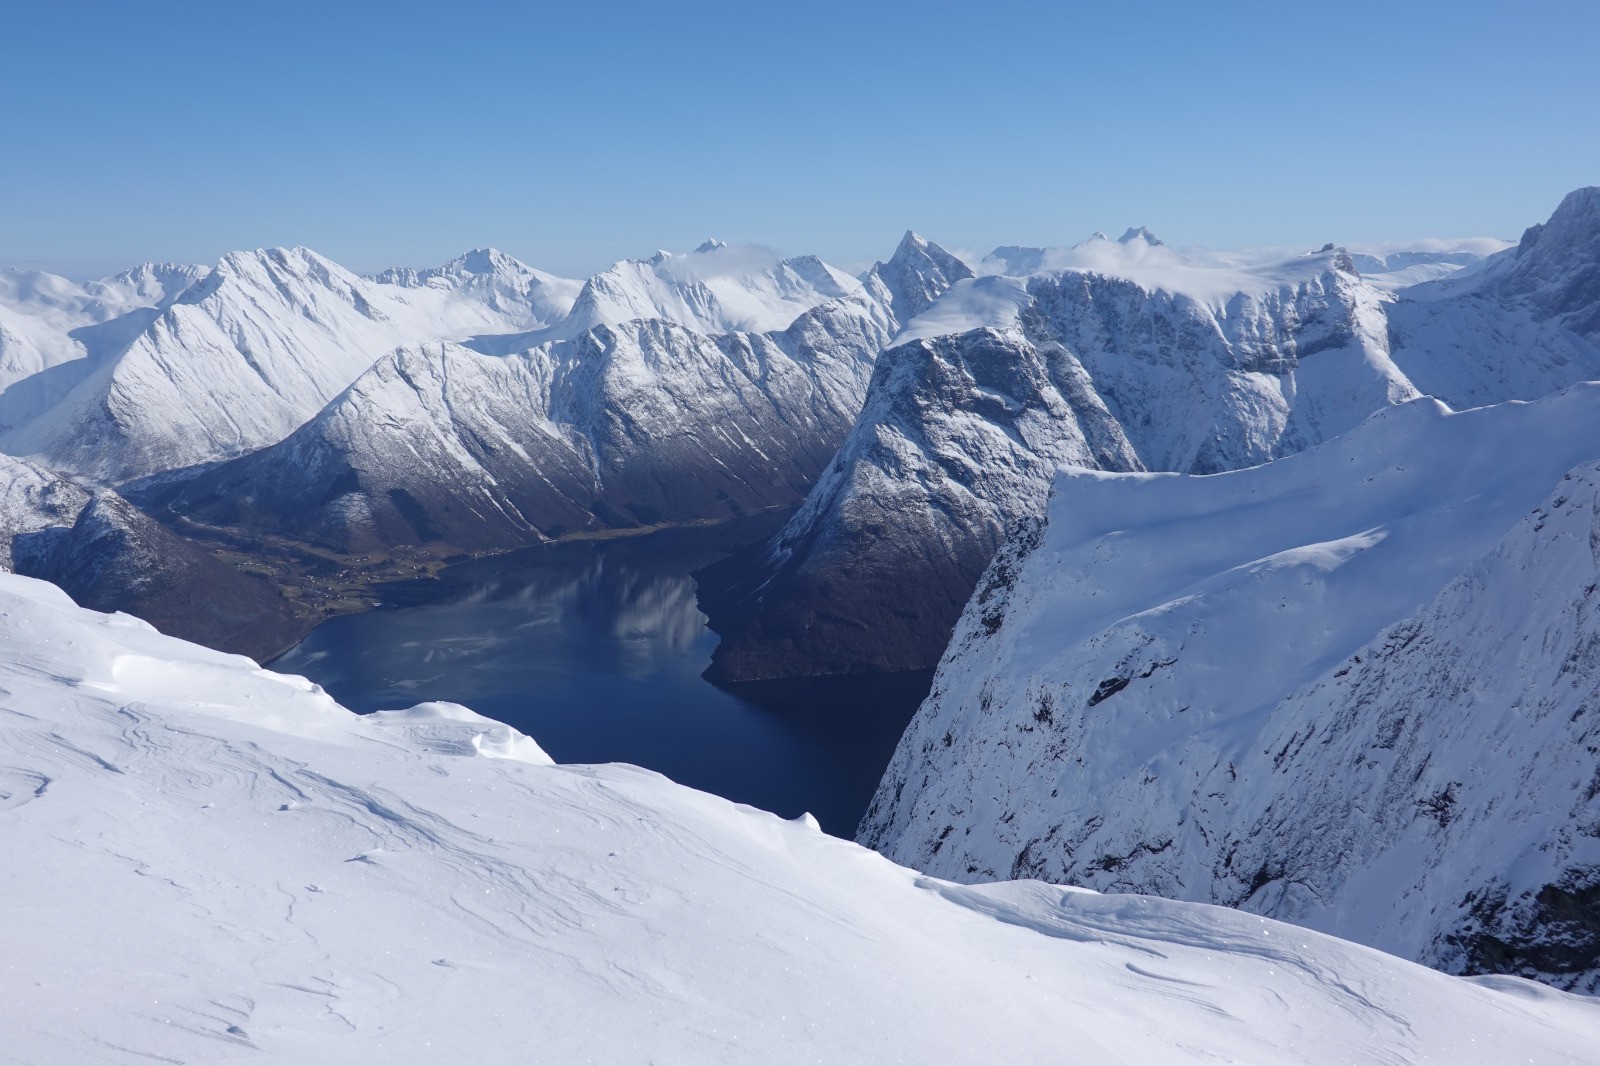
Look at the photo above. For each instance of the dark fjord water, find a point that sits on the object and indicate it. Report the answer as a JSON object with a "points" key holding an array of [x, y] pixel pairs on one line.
{"points": [[595, 649]]}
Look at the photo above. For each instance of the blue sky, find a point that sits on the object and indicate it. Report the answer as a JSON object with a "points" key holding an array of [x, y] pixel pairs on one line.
{"points": [[571, 135]]}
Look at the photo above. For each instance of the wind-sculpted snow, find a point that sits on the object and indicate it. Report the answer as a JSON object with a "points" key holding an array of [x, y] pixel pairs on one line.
{"points": [[961, 433], [636, 424], [1270, 689], [211, 861]]}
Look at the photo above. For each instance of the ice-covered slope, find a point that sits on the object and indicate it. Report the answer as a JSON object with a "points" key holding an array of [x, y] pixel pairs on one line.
{"points": [[640, 423], [249, 353], [1270, 689], [1171, 365], [1525, 323], [213, 862]]}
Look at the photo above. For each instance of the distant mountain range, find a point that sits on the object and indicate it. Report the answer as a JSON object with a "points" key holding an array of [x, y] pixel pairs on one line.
{"points": [[1271, 575]]}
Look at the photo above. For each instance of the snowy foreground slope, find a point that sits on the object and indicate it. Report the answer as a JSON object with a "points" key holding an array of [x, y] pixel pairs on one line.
{"points": [[210, 862], [1355, 688]]}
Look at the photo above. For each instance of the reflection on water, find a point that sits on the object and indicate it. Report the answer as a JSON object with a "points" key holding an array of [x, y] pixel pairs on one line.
{"points": [[595, 650]]}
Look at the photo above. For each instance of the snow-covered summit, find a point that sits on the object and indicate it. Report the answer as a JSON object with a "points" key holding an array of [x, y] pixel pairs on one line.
{"points": [[1140, 234], [526, 297], [717, 288], [1522, 324], [916, 275], [250, 350], [292, 883]]}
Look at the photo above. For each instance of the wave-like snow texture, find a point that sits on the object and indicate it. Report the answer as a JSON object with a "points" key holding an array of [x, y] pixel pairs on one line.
{"points": [[1348, 689], [210, 861]]}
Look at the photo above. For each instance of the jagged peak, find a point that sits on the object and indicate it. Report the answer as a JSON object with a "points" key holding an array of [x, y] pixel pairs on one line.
{"points": [[1139, 233], [710, 244], [910, 243], [486, 261], [296, 259], [1577, 214]]}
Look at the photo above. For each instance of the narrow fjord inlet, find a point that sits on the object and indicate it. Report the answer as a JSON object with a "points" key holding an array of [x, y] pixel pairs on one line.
{"points": [[596, 648]]}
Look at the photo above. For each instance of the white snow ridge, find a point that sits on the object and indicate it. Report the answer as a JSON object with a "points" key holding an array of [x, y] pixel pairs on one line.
{"points": [[210, 862]]}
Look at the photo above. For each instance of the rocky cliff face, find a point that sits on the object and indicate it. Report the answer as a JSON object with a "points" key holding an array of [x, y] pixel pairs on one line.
{"points": [[1348, 689], [962, 432], [1525, 324], [960, 436], [109, 556]]}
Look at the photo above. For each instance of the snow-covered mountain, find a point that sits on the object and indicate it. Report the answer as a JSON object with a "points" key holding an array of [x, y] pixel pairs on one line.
{"points": [[1525, 323], [240, 359], [717, 288], [212, 861], [1202, 361], [1348, 689], [917, 274], [53, 330], [1176, 366], [637, 424], [525, 298], [630, 422]]}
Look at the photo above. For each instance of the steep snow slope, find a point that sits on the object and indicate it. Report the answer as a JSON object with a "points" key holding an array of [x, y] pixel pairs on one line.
{"points": [[52, 330], [217, 862], [634, 424], [1185, 686], [1178, 366], [1524, 324], [240, 359]]}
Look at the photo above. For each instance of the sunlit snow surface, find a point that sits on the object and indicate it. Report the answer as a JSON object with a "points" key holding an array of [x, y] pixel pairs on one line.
{"points": [[210, 862], [1353, 687]]}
